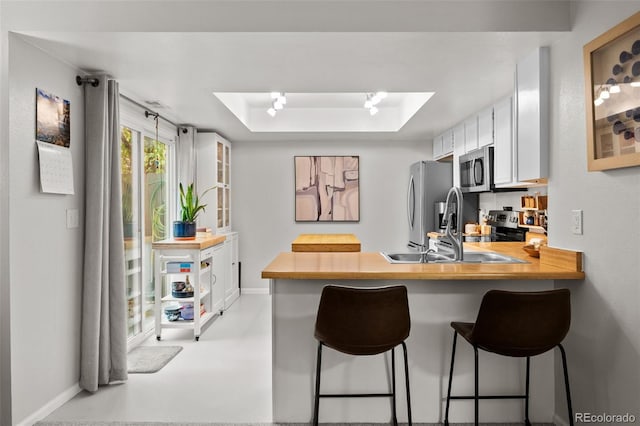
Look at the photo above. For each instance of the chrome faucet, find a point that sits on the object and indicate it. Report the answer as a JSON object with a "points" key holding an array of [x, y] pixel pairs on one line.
{"points": [[455, 240]]}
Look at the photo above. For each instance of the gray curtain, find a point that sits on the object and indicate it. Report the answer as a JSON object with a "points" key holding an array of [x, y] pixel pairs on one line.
{"points": [[186, 154], [103, 352]]}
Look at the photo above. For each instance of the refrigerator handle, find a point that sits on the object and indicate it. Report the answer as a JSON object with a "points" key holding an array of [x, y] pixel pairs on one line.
{"points": [[411, 202]]}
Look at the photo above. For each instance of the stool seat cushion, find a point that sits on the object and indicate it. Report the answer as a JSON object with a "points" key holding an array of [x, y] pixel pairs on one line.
{"points": [[363, 321], [519, 324]]}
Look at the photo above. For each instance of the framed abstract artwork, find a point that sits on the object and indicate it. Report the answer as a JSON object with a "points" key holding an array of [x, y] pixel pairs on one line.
{"points": [[327, 189], [612, 97]]}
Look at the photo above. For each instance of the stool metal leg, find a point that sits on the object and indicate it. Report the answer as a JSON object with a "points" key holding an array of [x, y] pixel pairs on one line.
{"points": [[453, 357], [406, 378], [566, 383], [393, 388], [526, 401], [316, 404], [476, 402]]}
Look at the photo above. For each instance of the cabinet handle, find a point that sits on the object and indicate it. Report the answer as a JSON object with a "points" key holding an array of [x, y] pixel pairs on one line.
{"points": [[215, 278]]}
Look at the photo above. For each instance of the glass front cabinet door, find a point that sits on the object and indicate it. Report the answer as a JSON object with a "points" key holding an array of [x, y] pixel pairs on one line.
{"points": [[213, 157]]}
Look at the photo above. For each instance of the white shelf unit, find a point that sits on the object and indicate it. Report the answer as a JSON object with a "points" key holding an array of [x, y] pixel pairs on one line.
{"points": [[201, 280]]}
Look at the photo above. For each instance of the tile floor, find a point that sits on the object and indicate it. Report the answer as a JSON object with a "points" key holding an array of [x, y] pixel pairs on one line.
{"points": [[223, 378]]}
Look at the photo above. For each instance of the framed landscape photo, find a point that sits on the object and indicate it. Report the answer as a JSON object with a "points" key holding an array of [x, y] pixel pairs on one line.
{"points": [[612, 97], [327, 188], [53, 115]]}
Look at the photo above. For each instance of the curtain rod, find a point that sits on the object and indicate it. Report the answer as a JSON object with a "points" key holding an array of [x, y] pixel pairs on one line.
{"points": [[149, 110]]}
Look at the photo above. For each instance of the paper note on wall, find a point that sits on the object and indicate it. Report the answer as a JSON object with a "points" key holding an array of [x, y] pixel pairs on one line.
{"points": [[56, 169]]}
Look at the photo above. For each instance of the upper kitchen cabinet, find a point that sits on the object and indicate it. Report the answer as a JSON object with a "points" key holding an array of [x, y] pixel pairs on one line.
{"points": [[447, 143], [485, 127], [471, 134], [458, 150], [437, 147], [443, 145], [213, 168], [532, 117], [504, 169]]}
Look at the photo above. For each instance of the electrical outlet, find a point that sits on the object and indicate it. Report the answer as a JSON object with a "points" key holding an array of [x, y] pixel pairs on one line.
{"points": [[576, 222], [73, 218]]}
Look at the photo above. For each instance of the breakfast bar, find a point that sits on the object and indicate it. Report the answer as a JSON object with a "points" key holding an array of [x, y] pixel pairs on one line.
{"points": [[438, 294]]}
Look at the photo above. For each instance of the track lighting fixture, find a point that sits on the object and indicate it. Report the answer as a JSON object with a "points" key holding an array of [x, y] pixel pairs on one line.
{"points": [[278, 101], [373, 99]]}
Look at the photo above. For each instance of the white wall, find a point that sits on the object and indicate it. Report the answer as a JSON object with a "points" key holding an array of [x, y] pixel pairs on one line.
{"points": [[603, 346], [263, 198], [46, 258], [5, 347]]}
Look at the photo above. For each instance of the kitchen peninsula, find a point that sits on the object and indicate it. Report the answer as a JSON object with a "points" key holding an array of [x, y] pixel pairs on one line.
{"points": [[438, 294]]}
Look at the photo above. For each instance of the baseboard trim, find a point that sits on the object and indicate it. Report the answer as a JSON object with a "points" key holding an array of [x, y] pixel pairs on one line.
{"points": [[254, 290], [51, 406], [559, 421]]}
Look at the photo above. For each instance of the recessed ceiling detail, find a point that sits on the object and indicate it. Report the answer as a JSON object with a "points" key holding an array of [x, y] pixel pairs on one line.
{"points": [[323, 112]]}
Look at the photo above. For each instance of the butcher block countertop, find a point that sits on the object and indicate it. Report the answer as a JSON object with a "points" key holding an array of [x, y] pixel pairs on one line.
{"points": [[553, 264], [199, 243], [325, 243]]}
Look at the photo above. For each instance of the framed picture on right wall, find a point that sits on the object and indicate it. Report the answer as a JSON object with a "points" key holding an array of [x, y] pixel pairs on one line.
{"points": [[612, 97]]}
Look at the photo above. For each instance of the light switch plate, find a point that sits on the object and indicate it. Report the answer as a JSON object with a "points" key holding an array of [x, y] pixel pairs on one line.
{"points": [[73, 218], [576, 222]]}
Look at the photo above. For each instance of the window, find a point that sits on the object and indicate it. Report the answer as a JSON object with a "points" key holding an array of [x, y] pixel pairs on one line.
{"points": [[148, 176]]}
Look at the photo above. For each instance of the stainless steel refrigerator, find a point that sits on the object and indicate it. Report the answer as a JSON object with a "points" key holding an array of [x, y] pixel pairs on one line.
{"points": [[429, 182]]}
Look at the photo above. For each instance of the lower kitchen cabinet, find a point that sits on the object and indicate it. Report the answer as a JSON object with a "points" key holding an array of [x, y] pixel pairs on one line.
{"points": [[226, 274], [232, 283], [218, 269]]}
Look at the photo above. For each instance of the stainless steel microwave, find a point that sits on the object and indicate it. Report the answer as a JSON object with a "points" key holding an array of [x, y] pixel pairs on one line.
{"points": [[476, 170]]}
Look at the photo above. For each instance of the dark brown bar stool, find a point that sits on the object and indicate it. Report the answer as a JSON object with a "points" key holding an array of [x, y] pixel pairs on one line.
{"points": [[516, 324], [363, 321]]}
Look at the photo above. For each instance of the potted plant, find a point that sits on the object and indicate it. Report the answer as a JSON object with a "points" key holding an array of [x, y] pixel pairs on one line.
{"points": [[190, 207]]}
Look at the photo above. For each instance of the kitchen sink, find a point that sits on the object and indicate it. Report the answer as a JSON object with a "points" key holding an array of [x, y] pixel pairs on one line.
{"points": [[433, 257], [402, 257], [489, 257]]}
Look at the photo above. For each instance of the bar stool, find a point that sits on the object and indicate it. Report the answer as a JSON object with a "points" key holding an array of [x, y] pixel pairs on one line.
{"points": [[363, 321], [516, 324]]}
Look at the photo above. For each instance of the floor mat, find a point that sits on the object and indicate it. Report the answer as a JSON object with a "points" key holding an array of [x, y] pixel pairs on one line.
{"points": [[149, 359]]}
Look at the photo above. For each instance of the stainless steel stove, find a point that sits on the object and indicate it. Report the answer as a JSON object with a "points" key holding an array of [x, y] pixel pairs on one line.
{"points": [[504, 226]]}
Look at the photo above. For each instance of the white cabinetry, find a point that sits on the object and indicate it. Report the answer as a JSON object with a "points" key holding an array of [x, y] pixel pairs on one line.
{"points": [[485, 127], [443, 145], [235, 265], [226, 273], [458, 150], [447, 143], [232, 283], [471, 134], [532, 112], [218, 277], [437, 147], [504, 170], [213, 168]]}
